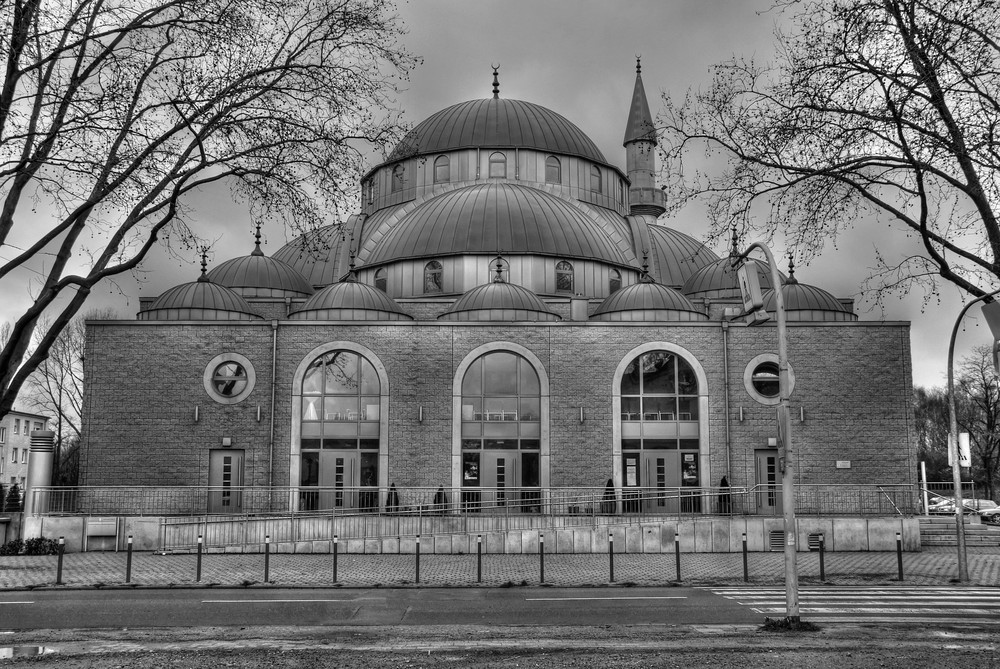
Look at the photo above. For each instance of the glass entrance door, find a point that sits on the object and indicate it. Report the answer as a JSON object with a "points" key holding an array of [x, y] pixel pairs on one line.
{"points": [[340, 480], [768, 480], [225, 480]]}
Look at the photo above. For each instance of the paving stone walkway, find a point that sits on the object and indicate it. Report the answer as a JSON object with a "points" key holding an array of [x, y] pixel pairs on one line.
{"points": [[936, 566]]}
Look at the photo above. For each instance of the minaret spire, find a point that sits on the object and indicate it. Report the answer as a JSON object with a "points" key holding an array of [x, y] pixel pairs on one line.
{"points": [[640, 156]]}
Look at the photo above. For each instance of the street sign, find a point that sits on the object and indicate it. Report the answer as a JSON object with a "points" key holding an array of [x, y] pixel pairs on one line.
{"points": [[991, 311], [753, 300]]}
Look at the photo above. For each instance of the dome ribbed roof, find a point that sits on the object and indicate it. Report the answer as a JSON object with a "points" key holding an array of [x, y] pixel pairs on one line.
{"points": [[719, 280], [676, 256], [496, 216], [199, 300], [321, 255], [256, 275], [647, 302], [496, 123], [808, 303], [350, 301], [499, 301]]}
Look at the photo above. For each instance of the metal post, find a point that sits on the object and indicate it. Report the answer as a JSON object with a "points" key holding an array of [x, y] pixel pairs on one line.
{"points": [[418, 560], [746, 565], [899, 554], [334, 558], [479, 558], [197, 573], [611, 555], [541, 557], [128, 561], [267, 558], [59, 561], [677, 554], [822, 560]]}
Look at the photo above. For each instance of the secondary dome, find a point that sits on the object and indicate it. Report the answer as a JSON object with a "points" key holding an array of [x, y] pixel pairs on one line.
{"points": [[499, 301], [487, 217], [646, 301], [719, 280], [676, 256], [350, 301], [321, 256], [199, 300], [496, 123], [256, 275], [808, 303]]}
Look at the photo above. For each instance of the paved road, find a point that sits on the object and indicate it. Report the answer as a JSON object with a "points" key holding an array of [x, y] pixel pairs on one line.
{"points": [[429, 606], [855, 604]]}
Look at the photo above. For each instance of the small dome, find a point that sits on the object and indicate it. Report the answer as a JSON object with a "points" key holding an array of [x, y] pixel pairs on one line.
{"points": [[499, 301], [496, 123], [647, 302], [321, 255], [719, 280], [487, 217], [676, 256], [350, 301], [256, 275], [808, 303], [199, 300]]}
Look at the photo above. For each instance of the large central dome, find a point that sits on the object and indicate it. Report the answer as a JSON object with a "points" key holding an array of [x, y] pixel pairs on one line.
{"points": [[497, 123]]}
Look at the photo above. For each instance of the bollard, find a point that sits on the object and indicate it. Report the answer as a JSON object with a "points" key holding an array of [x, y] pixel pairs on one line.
{"points": [[334, 558], [677, 554], [541, 557], [197, 573], [59, 561], [128, 561], [746, 566], [611, 555], [267, 558], [418, 560], [479, 558], [822, 558], [899, 554]]}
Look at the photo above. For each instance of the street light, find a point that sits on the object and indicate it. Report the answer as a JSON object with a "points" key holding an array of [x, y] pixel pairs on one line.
{"points": [[753, 306], [990, 311]]}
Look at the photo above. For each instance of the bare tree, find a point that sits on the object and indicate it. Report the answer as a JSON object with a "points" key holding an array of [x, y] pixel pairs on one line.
{"points": [[883, 107], [113, 111], [930, 413], [977, 399]]}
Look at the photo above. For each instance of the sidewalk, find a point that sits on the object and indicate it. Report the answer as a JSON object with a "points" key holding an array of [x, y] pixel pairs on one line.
{"points": [[935, 566]]}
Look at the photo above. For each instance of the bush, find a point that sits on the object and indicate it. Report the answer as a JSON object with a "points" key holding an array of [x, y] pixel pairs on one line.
{"points": [[13, 547], [36, 546]]}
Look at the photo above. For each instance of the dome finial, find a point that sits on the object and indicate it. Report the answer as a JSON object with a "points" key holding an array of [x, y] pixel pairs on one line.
{"points": [[645, 277], [735, 251], [499, 270], [204, 264], [638, 64], [256, 249], [791, 270], [496, 81], [351, 273]]}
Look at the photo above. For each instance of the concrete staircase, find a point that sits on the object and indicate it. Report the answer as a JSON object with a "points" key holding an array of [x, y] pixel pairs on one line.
{"points": [[940, 531]]}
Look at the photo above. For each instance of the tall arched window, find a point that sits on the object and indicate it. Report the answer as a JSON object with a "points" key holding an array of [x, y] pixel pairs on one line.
{"points": [[595, 179], [381, 280], [614, 281], [442, 170], [553, 170], [398, 178], [433, 277], [501, 432], [341, 395], [498, 165], [660, 432], [564, 277]]}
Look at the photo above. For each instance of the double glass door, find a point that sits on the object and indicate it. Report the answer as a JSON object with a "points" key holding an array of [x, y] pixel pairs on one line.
{"points": [[497, 479], [654, 481], [342, 480]]}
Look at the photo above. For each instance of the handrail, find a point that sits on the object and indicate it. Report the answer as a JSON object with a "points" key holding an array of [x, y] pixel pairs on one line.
{"points": [[886, 495]]}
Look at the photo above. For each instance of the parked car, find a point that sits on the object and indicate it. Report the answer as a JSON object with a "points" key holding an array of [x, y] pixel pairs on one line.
{"points": [[946, 505], [989, 511]]}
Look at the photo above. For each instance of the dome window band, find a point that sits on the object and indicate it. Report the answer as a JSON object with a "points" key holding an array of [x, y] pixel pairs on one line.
{"points": [[564, 277], [433, 277], [442, 170], [229, 378], [553, 170], [398, 179], [498, 165]]}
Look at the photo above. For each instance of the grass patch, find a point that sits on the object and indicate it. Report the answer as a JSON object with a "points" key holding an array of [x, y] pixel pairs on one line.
{"points": [[787, 625]]}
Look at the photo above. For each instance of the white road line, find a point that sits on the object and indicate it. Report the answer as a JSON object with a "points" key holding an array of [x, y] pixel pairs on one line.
{"points": [[16, 602], [903, 610], [270, 601], [590, 599]]}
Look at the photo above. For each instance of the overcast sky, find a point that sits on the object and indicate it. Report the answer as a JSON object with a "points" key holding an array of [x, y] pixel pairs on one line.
{"points": [[577, 57]]}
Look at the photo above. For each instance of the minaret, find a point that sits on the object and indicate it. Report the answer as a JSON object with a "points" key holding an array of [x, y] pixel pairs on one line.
{"points": [[640, 154]]}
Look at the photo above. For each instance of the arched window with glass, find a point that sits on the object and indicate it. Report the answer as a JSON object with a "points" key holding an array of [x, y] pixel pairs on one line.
{"points": [[498, 165], [660, 433], [564, 277], [442, 170], [341, 400], [398, 178], [614, 281], [381, 279], [596, 183], [553, 170], [501, 433], [433, 277]]}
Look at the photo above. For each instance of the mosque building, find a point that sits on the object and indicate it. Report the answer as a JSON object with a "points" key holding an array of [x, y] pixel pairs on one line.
{"points": [[505, 322]]}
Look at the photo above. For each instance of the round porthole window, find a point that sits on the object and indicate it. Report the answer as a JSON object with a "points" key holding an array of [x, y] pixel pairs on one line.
{"points": [[229, 378], [761, 379]]}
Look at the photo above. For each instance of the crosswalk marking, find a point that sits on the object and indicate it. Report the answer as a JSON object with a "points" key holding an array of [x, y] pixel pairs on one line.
{"points": [[874, 604]]}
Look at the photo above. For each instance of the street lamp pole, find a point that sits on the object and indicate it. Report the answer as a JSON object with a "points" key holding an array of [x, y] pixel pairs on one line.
{"points": [[953, 454], [785, 432]]}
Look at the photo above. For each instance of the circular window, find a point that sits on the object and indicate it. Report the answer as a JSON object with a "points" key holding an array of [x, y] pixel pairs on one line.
{"points": [[761, 379], [229, 378]]}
